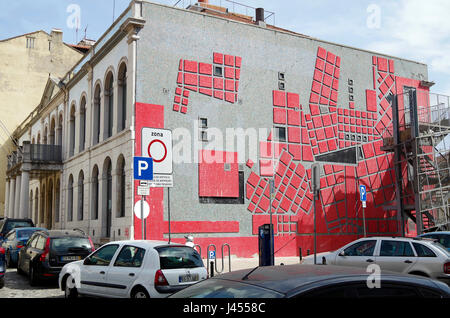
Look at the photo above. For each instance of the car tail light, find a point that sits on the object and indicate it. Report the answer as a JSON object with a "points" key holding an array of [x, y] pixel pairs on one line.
{"points": [[92, 245], [447, 268], [160, 279], [2, 250], [44, 256], [19, 245]]}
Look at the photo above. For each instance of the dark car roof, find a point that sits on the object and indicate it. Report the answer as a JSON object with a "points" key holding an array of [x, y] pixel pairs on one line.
{"points": [[285, 279], [63, 233]]}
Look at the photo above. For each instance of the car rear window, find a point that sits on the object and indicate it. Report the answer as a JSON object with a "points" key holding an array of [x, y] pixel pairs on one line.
{"points": [[70, 244], [25, 234], [172, 257], [13, 224]]}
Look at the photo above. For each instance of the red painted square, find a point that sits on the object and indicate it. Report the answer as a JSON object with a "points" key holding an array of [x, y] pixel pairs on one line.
{"points": [[382, 64], [206, 91], [331, 58], [279, 98], [218, 94], [229, 85], [238, 61], [314, 109], [337, 72], [329, 69], [326, 91], [183, 110], [336, 84], [318, 75], [293, 117], [316, 87], [294, 135], [238, 74], [320, 64], [190, 79], [176, 107], [205, 69], [190, 66], [229, 72], [229, 60], [206, 81], [322, 53], [279, 116], [218, 58], [307, 153], [293, 100], [178, 91], [230, 97], [314, 98]]}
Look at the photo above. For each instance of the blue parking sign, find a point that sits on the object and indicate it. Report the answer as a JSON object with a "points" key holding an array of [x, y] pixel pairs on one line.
{"points": [[363, 193], [143, 168]]}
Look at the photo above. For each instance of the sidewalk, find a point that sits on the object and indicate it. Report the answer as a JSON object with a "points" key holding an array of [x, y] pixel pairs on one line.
{"points": [[249, 263]]}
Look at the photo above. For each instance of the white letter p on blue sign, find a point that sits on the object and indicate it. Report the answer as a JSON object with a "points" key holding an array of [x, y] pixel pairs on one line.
{"points": [[143, 168]]}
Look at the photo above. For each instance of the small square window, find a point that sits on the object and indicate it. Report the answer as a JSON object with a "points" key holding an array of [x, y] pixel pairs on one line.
{"points": [[351, 97], [281, 76], [281, 86], [350, 82], [350, 90], [280, 134], [347, 137], [353, 138], [227, 167], [203, 135], [365, 138], [218, 71], [203, 123]]}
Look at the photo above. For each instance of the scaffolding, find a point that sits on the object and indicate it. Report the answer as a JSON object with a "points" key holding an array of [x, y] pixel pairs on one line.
{"points": [[420, 140]]}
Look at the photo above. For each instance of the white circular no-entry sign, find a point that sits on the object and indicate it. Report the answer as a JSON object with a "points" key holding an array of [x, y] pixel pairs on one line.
{"points": [[137, 209]]}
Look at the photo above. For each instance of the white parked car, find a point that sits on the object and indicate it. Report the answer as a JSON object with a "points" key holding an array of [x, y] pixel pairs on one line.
{"points": [[404, 255], [136, 269]]}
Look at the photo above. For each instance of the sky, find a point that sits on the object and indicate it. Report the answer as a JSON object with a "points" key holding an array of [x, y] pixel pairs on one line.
{"points": [[413, 29]]}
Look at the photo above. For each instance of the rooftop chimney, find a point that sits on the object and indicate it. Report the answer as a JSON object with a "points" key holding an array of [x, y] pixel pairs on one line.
{"points": [[57, 36], [260, 17]]}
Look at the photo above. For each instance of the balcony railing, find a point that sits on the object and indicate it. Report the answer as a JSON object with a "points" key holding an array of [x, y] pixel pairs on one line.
{"points": [[35, 154]]}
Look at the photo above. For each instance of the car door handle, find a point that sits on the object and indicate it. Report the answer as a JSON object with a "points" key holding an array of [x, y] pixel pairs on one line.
{"points": [[102, 272], [370, 260], [408, 262], [131, 274]]}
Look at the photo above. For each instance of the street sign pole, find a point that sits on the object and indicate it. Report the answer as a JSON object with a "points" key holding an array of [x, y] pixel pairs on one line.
{"points": [[316, 188], [144, 235], [363, 195]]}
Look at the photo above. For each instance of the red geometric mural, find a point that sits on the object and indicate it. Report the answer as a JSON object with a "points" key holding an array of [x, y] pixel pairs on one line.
{"points": [[219, 80]]}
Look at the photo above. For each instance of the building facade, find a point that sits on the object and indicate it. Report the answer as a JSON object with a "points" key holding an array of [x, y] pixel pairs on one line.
{"points": [[246, 103], [26, 62]]}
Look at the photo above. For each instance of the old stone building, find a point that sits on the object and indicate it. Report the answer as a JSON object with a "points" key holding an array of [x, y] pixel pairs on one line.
{"points": [[26, 61]]}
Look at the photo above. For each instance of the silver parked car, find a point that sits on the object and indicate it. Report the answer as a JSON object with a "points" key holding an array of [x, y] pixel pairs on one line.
{"points": [[403, 255]]}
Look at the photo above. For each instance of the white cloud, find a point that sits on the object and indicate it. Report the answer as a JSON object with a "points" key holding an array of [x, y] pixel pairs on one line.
{"points": [[418, 30]]}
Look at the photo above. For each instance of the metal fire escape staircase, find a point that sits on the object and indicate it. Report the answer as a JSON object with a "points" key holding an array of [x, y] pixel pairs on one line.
{"points": [[420, 141]]}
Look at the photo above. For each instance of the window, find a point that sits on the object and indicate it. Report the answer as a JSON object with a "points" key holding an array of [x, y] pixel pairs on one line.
{"points": [[130, 256], [32, 242], [82, 124], [30, 42], [121, 188], [423, 251], [280, 134], [72, 132], [40, 244], [95, 194], [396, 248], [179, 257], [344, 291], [96, 115], [364, 248], [70, 200], [80, 196], [109, 106], [122, 98], [218, 71], [347, 156], [103, 256], [69, 244]]}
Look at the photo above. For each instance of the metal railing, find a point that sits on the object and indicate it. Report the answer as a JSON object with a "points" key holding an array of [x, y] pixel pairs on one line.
{"points": [[46, 153]]}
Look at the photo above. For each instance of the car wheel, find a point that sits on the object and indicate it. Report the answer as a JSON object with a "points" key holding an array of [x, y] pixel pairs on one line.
{"points": [[140, 293], [70, 292], [33, 277], [2, 282]]}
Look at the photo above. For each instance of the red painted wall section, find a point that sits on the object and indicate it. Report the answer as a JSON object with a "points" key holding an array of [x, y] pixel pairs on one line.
{"points": [[152, 116], [214, 179]]}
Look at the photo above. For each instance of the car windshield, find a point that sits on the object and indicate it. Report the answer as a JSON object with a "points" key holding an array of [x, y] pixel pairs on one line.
{"points": [[13, 224], [172, 257], [70, 244], [215, 288]]}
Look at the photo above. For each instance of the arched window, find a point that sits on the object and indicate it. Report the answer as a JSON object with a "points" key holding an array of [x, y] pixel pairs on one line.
{"points": [[72, 131], [96, 115], [52, 133], [121, 187], [45, 140], [39, 139], [80, 195], [57, 200], [70, 199], [82, 123], [94, 194], [109, 106], [107, 197], [60, 129], [122, 97], [36, 207]]}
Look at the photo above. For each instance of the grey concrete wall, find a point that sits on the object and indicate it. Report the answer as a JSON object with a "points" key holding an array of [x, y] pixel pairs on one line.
{"points": [[172, 34]]}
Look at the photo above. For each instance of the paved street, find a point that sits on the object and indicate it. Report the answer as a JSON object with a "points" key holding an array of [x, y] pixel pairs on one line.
{"points": [[17, 286]]}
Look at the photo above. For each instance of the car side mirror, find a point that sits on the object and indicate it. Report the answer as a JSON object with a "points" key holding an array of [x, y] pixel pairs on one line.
{"points": [[342, 253], [87, 261]]}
